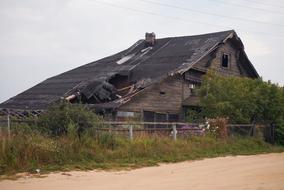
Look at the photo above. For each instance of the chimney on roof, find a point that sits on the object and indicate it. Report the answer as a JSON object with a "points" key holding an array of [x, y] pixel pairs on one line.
{"points": [[150, 39]]}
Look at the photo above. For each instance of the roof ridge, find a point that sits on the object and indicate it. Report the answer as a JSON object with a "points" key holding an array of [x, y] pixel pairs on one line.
{"points": [[196, 35]]}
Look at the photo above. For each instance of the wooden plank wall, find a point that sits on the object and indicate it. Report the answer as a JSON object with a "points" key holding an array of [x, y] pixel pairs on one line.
{"points": [[167, 95], [163, 97], [214, 60]]}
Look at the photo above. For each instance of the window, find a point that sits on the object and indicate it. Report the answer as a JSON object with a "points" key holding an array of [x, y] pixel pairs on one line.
{"points": [[191, 86], [125, 114], [225, 60]]}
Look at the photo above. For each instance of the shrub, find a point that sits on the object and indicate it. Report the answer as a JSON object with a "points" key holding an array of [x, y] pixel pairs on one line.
{"points": [[243, 101], [279, 132], [218, 127], [63, 117]]}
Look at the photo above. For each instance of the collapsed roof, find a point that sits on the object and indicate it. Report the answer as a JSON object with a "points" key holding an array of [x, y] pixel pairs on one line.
{"points": [[136, 68]]}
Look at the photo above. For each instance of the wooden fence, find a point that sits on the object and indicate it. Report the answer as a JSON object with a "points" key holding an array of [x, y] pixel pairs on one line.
{"points": [[172, 129]]}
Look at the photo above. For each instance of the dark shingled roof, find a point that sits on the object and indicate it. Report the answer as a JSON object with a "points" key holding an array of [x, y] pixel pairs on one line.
{"points": [[174, 54]]}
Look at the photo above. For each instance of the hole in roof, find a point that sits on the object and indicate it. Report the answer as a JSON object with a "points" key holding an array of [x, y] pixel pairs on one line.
{"points": [[124, 59]]}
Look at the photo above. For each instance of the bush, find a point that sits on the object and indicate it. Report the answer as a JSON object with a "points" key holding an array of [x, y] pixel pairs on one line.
{"points": [[279, 132], [64, 117], [218, 127], [243, 101]]}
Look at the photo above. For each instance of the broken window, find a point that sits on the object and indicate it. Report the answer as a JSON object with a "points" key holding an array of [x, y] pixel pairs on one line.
{"points": [[225, 60], [160, 117], [125, 114], [149, 116], [173, 118], [191, 88]]}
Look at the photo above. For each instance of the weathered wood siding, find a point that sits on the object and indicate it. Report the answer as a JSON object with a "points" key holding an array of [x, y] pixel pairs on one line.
{"points": [[175, 89], [214, 61], [169, 101]]}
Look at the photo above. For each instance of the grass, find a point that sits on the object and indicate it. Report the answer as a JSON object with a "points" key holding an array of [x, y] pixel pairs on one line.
{"points": [[51, 143], [28, 151]]}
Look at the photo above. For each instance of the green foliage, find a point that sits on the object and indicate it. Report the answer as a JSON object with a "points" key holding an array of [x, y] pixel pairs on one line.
{"points": [[107, 140], [194, 115], [64, 117], [243, 100], [279, 133], [29, 151]]}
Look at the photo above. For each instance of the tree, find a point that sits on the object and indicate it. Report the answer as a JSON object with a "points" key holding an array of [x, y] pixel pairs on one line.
{"points": [[243, 100]]}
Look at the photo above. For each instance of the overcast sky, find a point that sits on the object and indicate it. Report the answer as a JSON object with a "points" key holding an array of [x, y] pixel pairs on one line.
{"points": [[42, 38]]}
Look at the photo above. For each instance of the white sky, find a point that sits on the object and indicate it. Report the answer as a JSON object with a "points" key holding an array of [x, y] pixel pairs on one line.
{"points": [[42, 38]]}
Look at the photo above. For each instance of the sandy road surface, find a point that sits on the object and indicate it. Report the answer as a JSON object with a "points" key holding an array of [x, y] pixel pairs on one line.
{"points": [[241, 172]]}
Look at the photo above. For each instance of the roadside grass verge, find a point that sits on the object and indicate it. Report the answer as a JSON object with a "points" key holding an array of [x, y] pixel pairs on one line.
{"points": [[29, 151]]}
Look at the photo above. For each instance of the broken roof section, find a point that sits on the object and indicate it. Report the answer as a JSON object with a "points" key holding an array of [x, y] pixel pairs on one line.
{"points": [[136, 68]]}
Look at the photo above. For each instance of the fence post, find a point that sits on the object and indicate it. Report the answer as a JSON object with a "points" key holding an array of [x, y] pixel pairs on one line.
{"points": [[174, 132], [9, 125], [252, 132], [131, 132], [109, 129], [273, 133], [1, 132], [2, 137]]}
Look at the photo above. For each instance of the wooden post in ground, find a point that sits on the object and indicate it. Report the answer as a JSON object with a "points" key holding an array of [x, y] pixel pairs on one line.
{"points": [[272, 133], [1, 131], [131, 132], [174, 132], [110, 129], [9, 125], [2, 138], [3, 143], [252, 132]]}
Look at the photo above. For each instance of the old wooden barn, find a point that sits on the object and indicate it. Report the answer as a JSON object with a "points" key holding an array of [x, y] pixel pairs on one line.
{"points": [[152, 80]]}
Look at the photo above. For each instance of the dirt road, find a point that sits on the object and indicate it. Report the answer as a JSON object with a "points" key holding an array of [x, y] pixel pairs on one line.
{"points": [[240, 172]]}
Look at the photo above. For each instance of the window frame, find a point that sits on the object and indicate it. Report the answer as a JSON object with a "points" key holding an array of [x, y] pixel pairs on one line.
{"points": [[229, 60]]}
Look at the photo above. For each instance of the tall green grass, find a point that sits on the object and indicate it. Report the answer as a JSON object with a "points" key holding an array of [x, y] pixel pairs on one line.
{"points": [[28, 150]]}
